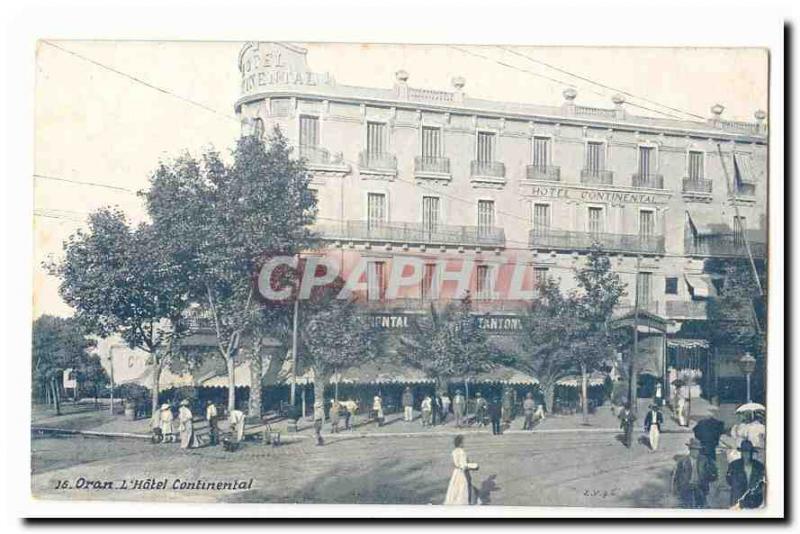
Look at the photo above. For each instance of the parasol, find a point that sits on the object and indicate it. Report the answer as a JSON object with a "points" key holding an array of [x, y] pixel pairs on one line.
{"points": [[751, 407]]}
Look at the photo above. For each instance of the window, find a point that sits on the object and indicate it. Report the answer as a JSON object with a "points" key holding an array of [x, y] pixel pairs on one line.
{"points": [[646, 160], [671, 285], [375, 280], [595, 156], [483, 283], [485, 216], [695, 170], [376, 209], [541, 219], [540, 275], [258, 128], [430, 214], [428, 289], [596, 225], [644, 287], [485, 147], [739, 230], [541, 152], [309, 132], [647, 224], [431, 142], [376, 138]]}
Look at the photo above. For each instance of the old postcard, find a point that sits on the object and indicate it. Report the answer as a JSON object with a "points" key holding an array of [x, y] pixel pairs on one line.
{"points": [[449, 275]]}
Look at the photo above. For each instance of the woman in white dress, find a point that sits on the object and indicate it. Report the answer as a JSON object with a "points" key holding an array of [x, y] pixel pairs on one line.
{"points": [[460, 488]]}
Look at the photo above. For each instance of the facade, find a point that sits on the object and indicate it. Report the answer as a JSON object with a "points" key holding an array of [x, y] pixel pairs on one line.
{"points": [[513, 192]]}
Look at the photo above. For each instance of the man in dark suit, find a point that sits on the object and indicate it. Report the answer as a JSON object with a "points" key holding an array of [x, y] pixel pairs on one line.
{"points": [[746, 479], [692, 476], [653, 422], [495, 411]]}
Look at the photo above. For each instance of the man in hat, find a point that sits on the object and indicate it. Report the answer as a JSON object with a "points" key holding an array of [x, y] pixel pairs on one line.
{"points": [[166, 419], [480, 409], [708, 431], [528, 407], [236, 421], [746, 478], [692, 475], [495, 411], [333, 415], [652, 425], [319, 417], [508, 406], [445, 405], [626, 419], [459, 404], [408, 405], [189, 439], [211, 417], [425, 408]]}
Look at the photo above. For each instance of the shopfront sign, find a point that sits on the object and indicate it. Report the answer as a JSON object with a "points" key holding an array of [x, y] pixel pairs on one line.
{"points": [[497, 324], [594, 195]]}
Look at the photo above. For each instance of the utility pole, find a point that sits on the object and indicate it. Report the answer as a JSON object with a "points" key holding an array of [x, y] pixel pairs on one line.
{"points": [[632, 379], [294, 352]]}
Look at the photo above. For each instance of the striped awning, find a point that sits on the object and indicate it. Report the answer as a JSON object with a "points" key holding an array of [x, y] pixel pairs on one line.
{"points": [[595, 379], [678, 343]]}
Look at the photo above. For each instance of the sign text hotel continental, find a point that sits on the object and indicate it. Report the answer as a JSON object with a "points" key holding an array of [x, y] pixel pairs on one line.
{"points": [[594, 195], [268, 65]]}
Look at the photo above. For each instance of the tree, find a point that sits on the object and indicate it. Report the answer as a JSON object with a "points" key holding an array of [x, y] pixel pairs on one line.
{"points": [[120, 280], [229, 218], [448, 344], [91, 376], [599, 291], [58, 344]]}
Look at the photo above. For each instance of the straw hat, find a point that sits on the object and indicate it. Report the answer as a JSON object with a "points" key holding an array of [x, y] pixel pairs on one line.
{"points": [[164, 407], [185, 402]]}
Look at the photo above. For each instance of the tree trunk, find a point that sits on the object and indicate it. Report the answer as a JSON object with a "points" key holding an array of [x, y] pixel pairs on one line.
{"points": [[231, 366], [584, 394], [256, 364], [549, 391], [56, 400], [319, 390], [156, 377]]}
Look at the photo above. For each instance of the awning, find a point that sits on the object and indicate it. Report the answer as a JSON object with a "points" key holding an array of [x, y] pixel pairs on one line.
{"points": [[381, 372], [744, 168], [595, 379], [698, 226], [679, 343], [701, 285], [505, 375]]}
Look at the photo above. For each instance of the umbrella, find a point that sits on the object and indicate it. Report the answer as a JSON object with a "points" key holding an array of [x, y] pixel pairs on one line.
{"points": [[751, 407]]}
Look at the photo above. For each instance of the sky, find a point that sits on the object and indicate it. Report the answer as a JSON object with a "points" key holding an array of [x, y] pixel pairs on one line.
{"points": [[98, 124]]}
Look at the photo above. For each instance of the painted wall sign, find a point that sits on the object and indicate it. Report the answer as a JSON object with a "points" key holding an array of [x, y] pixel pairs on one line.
{"points": [[592, 195]]}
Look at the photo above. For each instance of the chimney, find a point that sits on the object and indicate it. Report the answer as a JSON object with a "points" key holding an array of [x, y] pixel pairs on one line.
{"points": [[619, 111], [401, 84], [458, 83], [761, 117], [569, 100]]}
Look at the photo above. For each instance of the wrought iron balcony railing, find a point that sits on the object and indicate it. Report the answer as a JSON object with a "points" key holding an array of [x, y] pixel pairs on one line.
{"points": [[686, 309], [417, 233], [494, 169], [432, 164], [570, 240], [379, 161], [697, 185], [648, 181], [315, 154], [549, 173], [597, 177], [728, 244]]}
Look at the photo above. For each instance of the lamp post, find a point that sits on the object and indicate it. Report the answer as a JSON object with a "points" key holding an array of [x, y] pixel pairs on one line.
{"points": [[747, 364]]}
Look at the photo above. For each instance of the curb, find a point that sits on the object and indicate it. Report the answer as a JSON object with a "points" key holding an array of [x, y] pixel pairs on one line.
{"points": [[48, 430]]}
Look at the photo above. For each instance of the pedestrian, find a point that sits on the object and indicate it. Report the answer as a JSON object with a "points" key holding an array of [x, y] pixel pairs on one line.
{"points": [[480, 409], [445, 406], [692, 476], [377, 408], [211, 417], [425, 408], [682, 410], [626, 419], [528, 407], [436, 408], [508, 406], [495, 412], [659, 396], [708, 431], [408, 405], [167, 419], [653, 422], [349, 408], [460, 490], [539, 415], [334, 414], [236, 422], [756, 432], [189, 439], [459, 404], [319, 418], [746, 479]]}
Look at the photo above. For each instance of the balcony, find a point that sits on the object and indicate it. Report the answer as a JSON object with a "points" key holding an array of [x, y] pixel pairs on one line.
{"points": [[414, 233], [432, 167], [697, 186], [724, 245], [488, 172], [381, 163], [686, 309], [582, 241], [596, 177], [547, 173], [647, 181]]}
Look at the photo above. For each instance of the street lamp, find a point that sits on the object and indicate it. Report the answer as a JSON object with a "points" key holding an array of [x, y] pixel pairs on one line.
{"points": [[747, 364]]}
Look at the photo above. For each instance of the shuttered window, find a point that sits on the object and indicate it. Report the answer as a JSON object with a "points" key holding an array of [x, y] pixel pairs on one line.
{"points": [[646, 160], [309, 131], [485, 147], [428, 288], [596, 225], [375, 280], [644, 288], [695, 170], [376, 138], [430, 213], [647, 223], [541, 218], [739, 229], [540, 275], [541, 152], [595, 156], [485, 216], [483, 283], [258, 128], [431, 142], [376, 209]]}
